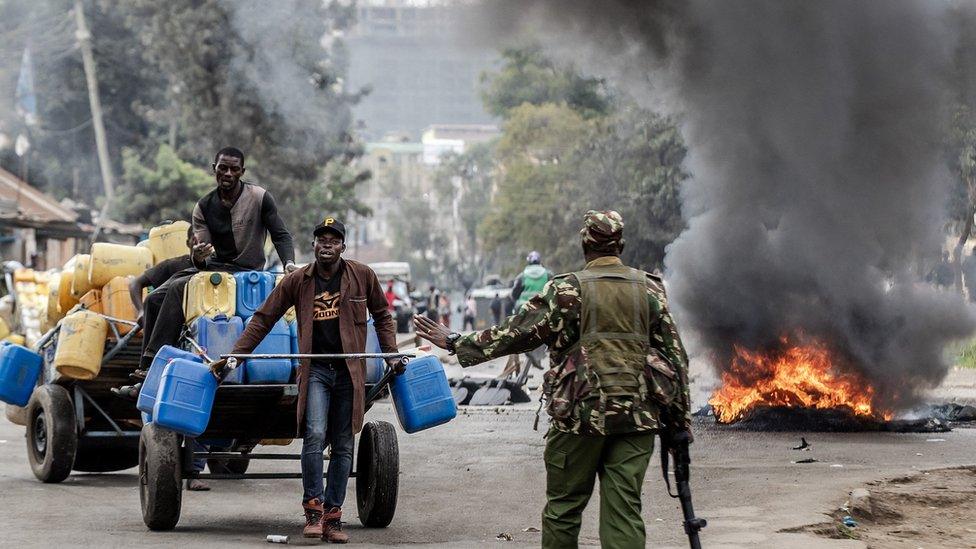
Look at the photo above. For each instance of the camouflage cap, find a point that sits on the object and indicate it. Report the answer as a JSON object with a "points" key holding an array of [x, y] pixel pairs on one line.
{"points": [[602, 230]]}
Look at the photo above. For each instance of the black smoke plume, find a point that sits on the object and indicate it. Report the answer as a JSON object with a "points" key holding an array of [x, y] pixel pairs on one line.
{"points": [[815, 132]]}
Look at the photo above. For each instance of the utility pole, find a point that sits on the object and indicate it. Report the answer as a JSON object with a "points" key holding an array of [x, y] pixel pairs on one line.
{"points": [[84, 41]]}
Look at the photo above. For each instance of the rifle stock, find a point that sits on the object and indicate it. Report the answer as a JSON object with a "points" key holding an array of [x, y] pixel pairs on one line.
{"points": [[676, 443]]}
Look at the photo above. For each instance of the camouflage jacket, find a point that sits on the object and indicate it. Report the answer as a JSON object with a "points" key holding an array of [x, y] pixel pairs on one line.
{"points": [[553, 318]]}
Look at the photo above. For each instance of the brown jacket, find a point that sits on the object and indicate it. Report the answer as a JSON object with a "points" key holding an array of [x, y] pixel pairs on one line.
{"points": [[360, 291]]}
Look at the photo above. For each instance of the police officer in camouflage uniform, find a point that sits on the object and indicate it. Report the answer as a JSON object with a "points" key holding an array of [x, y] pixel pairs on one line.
{"points": [[618, 376]]}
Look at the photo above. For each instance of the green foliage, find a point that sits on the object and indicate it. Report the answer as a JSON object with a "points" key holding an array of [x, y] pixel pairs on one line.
{"points": [[528, 76], [197, 75], [555, 164], [334, 194], [538, 186], [465, 181], [961, 158], [569, 145], [166, 189]]}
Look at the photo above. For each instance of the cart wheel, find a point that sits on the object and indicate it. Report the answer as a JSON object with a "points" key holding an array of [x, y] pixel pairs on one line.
{"points": [[160, 477], [51, 436], [377, 474], [103, 456]]}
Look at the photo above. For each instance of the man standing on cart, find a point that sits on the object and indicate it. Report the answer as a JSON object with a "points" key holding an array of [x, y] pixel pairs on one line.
{"points": [[332, 297]]}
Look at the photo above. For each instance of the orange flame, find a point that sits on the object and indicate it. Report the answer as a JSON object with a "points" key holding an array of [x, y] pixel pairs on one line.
{"points": [[799, 376]]}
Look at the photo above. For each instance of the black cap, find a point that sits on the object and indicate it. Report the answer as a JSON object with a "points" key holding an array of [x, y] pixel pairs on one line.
{"points": [[330, 224]]}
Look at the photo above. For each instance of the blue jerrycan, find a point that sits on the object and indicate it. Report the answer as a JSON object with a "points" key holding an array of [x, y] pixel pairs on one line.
{"points": [[422, 396]]}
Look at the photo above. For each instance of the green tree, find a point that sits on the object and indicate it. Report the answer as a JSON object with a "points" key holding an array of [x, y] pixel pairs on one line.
{"points": [[528, 76], [558, 158], [537, 200], [167, 188], [334, 194], [195, 74], [465, 182]]}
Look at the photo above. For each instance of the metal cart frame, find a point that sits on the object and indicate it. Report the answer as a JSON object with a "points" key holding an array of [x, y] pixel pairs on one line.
{"points": [[81, 425], [242, 416]]}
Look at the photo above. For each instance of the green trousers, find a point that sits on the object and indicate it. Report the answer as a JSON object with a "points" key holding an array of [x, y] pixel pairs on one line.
{"points": [[572, 464]]}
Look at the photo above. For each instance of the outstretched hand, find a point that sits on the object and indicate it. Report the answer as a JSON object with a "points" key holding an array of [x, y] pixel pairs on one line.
{"points": [[202, 251], [431, 331]]}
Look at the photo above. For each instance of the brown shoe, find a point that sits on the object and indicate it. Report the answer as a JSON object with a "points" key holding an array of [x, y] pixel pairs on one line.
{"points": [[332, 526], [313, 518]]}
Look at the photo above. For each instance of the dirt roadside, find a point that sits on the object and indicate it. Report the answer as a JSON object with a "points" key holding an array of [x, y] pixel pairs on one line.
{"points": [[932, 509]]}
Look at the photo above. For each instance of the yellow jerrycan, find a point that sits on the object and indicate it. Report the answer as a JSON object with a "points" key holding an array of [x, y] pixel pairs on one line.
{"points": [[4, 329], [209, 294], [79, 282], [117, 303], [53, 299], [92, 300], [111, 260], [81, 344], [290, 313], [16, 339], [168, 241]]}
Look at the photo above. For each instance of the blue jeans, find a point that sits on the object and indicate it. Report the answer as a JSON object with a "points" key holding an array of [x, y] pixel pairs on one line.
{"points": [[328, 417]]}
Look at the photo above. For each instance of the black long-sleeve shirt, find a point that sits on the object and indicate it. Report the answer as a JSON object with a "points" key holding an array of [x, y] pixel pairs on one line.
{"points": [[238, 233]]}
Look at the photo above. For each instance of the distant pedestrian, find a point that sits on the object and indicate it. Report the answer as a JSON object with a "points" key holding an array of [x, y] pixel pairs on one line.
{"points": [[470, 312], [433, 302], [531, 280], [496, 309], [390, 296], [444, 310]]}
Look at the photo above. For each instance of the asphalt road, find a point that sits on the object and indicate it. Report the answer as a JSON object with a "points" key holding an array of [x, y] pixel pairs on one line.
{"points": [[481, 475]]}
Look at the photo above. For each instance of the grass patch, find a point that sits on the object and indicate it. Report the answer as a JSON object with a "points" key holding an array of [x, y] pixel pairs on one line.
{"points": [[963, 354]]}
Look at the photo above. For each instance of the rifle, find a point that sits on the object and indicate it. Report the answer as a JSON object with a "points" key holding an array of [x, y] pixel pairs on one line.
{"points": [[676, 442]]}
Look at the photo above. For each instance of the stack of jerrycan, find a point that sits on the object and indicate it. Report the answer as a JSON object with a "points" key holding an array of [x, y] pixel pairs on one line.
{"points": [[253, 287], [117, 303], [422, 396], [271, 370], [79, 281], [150, 387], [209, 294], [217, 336], [19, 369], [168, 240], [66, 299], [81, 343], [185, 397], [54, 313], [111, 260], [374, 366], [92, 301]]}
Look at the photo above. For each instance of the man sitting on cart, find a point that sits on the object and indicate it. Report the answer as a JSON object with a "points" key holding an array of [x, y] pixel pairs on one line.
{"points": [[332, 297], [230, 224]]}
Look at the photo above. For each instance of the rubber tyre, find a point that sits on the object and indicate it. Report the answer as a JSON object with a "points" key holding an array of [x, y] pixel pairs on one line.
{"points": [[160, 477], [377, 474], [51, 436], [106, 456]]}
